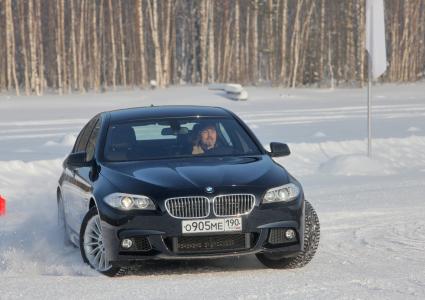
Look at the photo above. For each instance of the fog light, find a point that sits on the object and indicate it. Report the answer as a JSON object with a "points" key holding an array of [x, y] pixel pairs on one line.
{"points": [[290, 234], [126, 243]]}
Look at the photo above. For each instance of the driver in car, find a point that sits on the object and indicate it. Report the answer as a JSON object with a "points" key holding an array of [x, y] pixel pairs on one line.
{"points": [[205, 140]]}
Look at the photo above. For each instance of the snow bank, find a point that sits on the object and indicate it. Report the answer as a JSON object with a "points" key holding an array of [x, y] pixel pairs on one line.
{"points": [[66, 141], [360, 165], [389, 156], [31, 242]]}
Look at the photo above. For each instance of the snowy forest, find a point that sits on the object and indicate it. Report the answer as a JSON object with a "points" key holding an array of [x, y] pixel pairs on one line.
{"points": [[80, 45]]}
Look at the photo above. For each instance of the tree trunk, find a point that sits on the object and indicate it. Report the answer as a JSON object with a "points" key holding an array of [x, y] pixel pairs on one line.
{"points": [[123, 70], [283, 61], [95, 49], [236, 40], [304, 45], [203, 16], [61, 29], [211, 44], [169, 8], [24, 48], [350, 45], [141, 34], [361, 39], [113, 46], [296, 43], [81, 45], [33, 48], [10, 45], [254, 42], [322, 41], [153, 21], [73, 47], [41, 80]]}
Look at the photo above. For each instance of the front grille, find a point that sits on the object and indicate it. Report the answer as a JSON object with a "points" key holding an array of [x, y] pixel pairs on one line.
{"points": [[188, 207], [212, 243], [233, 205]]}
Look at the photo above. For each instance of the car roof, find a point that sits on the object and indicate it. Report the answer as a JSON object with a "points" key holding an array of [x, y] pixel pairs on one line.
{"points": [[166, 111]]}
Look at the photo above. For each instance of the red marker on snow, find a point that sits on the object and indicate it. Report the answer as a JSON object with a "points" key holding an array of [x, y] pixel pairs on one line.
{"points": [[2, 206]]}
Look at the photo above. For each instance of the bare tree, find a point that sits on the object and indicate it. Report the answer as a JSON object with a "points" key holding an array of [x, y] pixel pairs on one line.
{"points": [[113, 45], [153, 22], [73, 46], [141, 34], [24, 51], [10, 46], [211, 42], [33, 49], [254, 41], [283, 35]]}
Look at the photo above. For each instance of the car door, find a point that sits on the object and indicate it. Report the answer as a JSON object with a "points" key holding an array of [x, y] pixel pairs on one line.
{"points": [[84, 179], [76, 190], [67, 185]]}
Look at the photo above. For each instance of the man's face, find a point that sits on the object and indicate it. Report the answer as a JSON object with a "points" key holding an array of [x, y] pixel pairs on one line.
{"points": [[208, 136]]}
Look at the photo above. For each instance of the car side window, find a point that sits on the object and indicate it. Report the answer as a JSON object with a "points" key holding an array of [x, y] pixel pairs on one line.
{"points": [[77, 142], [91, 144], [225, 135], [81, 146]]}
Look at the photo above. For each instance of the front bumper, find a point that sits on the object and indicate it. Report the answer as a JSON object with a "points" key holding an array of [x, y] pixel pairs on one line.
{"points": [[163, 231]]}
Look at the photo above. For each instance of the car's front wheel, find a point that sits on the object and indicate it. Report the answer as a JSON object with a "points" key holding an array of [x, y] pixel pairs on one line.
{"points": [[311, 242], [92, 246]]}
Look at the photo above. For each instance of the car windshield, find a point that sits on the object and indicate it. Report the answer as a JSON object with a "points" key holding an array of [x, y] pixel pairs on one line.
{"points": [[177, 137]]}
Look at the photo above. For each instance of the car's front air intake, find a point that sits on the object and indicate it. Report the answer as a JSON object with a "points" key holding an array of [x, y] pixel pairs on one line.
{"points": [[233, 205], [188, 207]]}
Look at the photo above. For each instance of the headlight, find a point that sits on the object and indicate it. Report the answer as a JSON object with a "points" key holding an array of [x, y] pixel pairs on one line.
{"points": [[129, 202], [282, 193]]}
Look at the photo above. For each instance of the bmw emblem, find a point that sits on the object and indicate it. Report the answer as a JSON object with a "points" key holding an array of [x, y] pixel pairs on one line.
{"points": [[209, 189]]}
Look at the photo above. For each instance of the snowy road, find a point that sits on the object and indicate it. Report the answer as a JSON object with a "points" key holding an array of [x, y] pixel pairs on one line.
{"points": [[372, 211]]}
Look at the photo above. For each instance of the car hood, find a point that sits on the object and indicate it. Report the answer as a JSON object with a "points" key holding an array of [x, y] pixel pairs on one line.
{"points": [[195, 174]]}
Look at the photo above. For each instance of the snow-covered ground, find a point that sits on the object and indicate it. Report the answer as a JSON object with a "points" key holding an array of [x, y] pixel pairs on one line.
{"points": [[372, 211]]}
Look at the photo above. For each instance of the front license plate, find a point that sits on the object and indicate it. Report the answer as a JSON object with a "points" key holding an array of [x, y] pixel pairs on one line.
{"points": [[212, 225]]}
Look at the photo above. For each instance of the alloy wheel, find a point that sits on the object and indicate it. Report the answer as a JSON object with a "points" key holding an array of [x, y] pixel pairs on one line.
{"points": [[93, 245]]}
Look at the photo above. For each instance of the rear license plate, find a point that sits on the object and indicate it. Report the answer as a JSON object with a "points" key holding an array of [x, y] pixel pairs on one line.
{"points": [[212, 225]]}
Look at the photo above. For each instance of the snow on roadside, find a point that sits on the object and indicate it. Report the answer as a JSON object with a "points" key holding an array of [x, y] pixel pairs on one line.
{"points": [[389, 156], [350, 165], [31, 242], [67, 140]]}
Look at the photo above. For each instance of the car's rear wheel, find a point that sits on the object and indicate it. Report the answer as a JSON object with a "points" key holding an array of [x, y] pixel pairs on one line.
{"points": [[311, 242], [92, 246]]}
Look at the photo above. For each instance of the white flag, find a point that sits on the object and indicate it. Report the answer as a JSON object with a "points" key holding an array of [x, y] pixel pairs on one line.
{"points": [[375, 36]]}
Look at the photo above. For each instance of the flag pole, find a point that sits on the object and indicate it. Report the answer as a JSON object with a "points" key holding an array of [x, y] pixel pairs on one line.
{"points": [[369, 103], [376, 54]]}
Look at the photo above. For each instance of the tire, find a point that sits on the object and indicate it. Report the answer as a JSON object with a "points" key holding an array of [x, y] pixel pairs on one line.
{"points": [[64, 229], [92, 248], [311, 243]]}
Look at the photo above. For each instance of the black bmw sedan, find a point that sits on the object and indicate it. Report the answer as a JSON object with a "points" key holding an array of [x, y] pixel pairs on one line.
{"points": [[181, 182]]}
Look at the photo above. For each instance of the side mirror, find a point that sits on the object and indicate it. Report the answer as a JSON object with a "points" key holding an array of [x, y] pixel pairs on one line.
{"points": [[78, 160], [279, 149]]}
